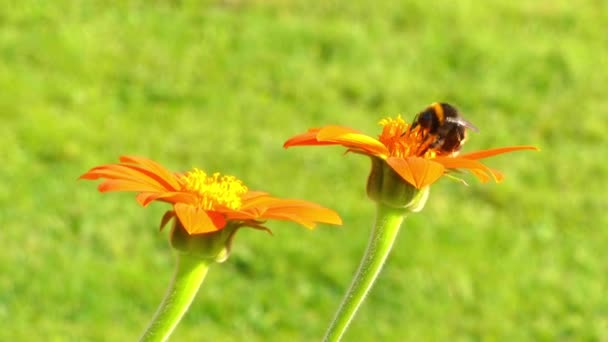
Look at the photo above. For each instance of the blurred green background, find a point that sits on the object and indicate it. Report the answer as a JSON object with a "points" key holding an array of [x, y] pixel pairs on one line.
{"points": [[221, 84]]}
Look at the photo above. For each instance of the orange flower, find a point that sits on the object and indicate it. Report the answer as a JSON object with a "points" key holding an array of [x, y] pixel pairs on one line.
{"points": [[399, 145], [204, 203]]}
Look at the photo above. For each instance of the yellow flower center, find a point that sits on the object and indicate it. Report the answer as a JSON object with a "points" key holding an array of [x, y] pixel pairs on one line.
{"points": [[215, 190], [403, 141]]}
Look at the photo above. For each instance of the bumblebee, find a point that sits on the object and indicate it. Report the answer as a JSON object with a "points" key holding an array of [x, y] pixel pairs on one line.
{"points": [[442, 127]]}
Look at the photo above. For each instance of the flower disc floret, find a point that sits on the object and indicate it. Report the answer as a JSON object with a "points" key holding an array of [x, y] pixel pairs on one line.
{"points": [[214, 191], [403, 141]]}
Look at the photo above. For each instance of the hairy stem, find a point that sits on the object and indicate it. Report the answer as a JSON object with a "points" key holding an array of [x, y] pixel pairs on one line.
{"points": [[388, 222], [188, 277]]}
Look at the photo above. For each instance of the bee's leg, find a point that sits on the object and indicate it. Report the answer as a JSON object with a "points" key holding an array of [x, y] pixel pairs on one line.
{"points": [[408, 131], [437, 143], [428, 143]]}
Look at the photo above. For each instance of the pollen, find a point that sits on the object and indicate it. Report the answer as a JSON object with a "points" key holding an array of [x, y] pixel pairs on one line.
{"points": [[214, 191], [403, 141]]}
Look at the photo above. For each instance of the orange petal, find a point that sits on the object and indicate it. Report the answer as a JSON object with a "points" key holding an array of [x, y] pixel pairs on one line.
{"points": [[485, 175], [148, 179], [124, 172], [481, 175], [306, 139], [495, 151], [299, 211], [305, 213], [253, 194], [155, 168], [310, 224], [144, 198], [481, 171], [351, 138], [244, 215], [498, 176], [124, 185], [419, 172], [261, 201], [198, 221]]}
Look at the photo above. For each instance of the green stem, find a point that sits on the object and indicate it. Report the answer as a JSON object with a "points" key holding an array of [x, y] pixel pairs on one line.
{"points": [[188, 277], [388, 221]]}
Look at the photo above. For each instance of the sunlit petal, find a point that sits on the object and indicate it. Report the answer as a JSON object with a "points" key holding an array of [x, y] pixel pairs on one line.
{"points": [[253, 194], [198, 221], [144, 198], [154, 168], [306, 139], [120, 171], [482, 175], [495, 151], [477, 168], [131, 173], [498, 176], [285, 216], [419, 172], [267, 207], [352, 138], [304, 211], [124, 185]]}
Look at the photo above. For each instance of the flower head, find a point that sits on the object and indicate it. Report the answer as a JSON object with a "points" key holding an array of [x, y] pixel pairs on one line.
{"points": [[407, 150], [204, 203]]}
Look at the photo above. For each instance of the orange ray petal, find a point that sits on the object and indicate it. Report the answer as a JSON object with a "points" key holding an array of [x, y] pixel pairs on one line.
{"points": [[144, 198], [351, 138], [498, 176], [417, 171], [292, 218], [132, 173], [242, 215], [485, 175], [303, 212], [120, 171], [155, 168], [253, 194], [481, 171], [481, 175], [495, 151], [306, 139], [264, 202], [198, 221], [125, 185], [307, 218]]}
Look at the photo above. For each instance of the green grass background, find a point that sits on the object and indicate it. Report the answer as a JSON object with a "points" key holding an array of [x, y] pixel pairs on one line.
{"points": [[220, 86]]}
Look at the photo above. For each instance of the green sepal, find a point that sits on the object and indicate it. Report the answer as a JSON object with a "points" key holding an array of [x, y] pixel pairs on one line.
{"points": [[214, 246], [386, 187]]}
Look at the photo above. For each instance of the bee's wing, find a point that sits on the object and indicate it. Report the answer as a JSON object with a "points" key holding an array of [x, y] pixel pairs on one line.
{"points": [[459, 120]]}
